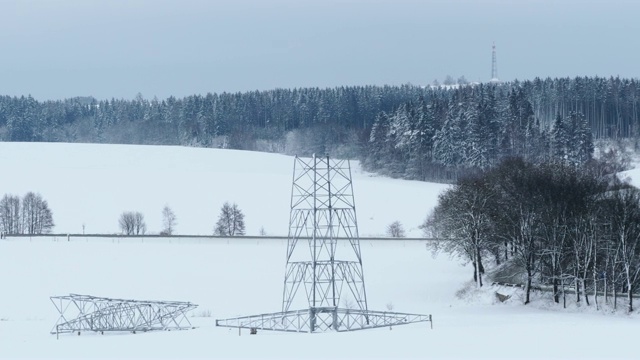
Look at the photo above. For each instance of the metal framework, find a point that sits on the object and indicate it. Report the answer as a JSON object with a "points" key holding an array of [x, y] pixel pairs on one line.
{"points": [[322, 210], [323, 319], [323, 215], [494, 65], [91, 313]]}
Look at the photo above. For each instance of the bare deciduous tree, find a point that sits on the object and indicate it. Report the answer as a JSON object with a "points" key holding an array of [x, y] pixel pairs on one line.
{"points": [[31, 215], [461, 223], [395, 230], [230, 222], [169, 221], [132, 223], [36, 215], [625, 223], [10, 214]]}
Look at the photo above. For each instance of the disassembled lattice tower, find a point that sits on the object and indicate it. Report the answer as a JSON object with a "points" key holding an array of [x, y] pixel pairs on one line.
{"points": [[80, 313], [323, 214]]}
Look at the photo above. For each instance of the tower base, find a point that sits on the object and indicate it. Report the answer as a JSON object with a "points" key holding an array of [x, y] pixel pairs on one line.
{"points": [[323, 319]]}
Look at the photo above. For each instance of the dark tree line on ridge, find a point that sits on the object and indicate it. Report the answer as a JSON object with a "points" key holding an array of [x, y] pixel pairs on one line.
{"points": [[572, 229], [427, 133]]}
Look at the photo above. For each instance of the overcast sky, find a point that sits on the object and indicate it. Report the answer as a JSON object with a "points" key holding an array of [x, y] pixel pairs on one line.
{"points": [[54, 49]]}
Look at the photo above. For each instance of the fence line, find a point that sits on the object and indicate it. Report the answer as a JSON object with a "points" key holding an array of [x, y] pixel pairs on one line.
{"points": [[177, 237]]}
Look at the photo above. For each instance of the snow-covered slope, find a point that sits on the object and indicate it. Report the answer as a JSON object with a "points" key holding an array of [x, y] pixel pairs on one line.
{"points": [[633, 176], [91, 185], [243, 277], [231, 277]]}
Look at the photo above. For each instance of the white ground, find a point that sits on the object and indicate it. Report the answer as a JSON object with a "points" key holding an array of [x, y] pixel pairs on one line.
{"points": [[230, 277], [93, 184]]}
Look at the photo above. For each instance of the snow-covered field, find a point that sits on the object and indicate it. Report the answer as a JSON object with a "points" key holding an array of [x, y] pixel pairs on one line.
{"points": [[92, 184]]}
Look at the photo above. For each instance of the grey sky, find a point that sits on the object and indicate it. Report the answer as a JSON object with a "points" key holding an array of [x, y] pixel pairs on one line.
{"points": [[62, 48]]}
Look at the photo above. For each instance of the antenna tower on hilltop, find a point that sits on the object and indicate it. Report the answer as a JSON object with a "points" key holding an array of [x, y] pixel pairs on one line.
{"points": [[494, 66]]}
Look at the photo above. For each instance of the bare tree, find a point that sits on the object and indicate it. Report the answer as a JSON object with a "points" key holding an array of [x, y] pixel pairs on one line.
{"points": [[132, 223], [395, 230], [230, 222], [168, 221], [462, 224], [625, 221], [126, 222], [28, 213], [36, 215], [10, 214], [140, 227], [31, 215]]}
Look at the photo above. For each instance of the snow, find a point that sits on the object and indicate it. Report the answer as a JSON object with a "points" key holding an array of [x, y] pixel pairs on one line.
{"points": [[633, 176], [231, 277], [91, 185]]}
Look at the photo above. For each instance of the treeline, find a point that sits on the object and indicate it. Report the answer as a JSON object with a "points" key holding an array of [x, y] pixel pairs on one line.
{"points": [[27, 215], [339, 121], [556, 225], [259, 120]]}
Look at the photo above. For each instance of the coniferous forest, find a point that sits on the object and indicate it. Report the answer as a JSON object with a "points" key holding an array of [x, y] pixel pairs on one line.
{"points": [[424, 133]]}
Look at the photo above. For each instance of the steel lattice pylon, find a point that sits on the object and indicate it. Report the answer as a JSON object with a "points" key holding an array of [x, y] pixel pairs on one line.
{"points": [[323, 210], [91, 313], [323, 214]]}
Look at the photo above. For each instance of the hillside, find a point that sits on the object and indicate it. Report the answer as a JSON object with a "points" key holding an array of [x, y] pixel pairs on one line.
{"points": [[91, 185], [233, 277]]}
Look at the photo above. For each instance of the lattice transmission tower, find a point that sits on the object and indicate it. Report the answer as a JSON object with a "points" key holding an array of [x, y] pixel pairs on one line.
{"points": [[322, 210], [494, 65], [323, 258]]}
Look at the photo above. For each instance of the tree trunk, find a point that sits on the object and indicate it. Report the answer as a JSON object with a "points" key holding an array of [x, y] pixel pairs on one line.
{"points": [[564, 295], [595, 275], [629, 292], [478, 269], [606, 294], [595, 288], [528, 288], [584, 291], [506, 251]]}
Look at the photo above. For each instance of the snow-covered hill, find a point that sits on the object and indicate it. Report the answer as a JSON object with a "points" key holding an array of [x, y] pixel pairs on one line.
{"points": [[91, 185]]}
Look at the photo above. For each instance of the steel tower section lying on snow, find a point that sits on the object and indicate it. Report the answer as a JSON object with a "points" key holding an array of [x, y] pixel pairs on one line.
{"points": [[99, 314]]}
